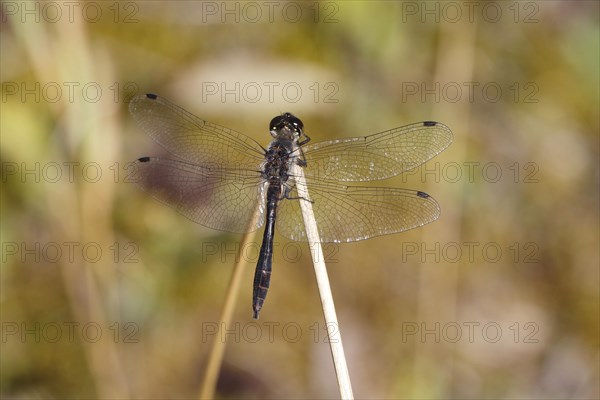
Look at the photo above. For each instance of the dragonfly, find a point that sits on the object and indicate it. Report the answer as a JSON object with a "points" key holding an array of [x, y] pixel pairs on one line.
{"points": [[225, 180]]}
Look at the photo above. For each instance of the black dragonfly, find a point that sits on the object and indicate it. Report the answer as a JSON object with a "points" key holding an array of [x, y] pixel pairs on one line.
{"points": [[223, 179]]}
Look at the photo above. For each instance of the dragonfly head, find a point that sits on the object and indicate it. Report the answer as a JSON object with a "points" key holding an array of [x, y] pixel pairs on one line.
{"points": [[286, 126]]}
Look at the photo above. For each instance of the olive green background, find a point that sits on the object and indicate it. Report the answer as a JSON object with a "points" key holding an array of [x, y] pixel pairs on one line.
{"points": [[107, 293]]}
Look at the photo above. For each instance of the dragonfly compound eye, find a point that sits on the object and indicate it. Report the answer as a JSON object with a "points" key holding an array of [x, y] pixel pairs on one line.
{"points": [[276, 123], [297, 123]]}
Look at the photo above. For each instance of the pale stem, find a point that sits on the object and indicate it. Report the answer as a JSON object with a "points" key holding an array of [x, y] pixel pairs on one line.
{"points": [[335, 336]]}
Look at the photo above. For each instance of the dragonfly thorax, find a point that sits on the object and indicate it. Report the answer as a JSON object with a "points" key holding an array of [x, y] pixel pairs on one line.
{"points": [[278, 160]]}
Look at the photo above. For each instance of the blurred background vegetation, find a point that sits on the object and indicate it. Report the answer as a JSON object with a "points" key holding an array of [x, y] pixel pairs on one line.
{"points": [[107, 293]]}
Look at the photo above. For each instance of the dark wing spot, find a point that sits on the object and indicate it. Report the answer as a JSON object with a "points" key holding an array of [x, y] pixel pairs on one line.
{"points": [[423, 195], [429, 123], [151, 96], [144, 159]]}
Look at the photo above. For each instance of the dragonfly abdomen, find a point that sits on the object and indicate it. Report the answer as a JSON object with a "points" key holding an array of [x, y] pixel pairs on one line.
{"points": [[262, 275]]}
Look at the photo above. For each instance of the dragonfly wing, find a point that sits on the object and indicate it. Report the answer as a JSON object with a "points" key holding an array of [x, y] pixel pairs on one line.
{"points": [[377, 156], [191, 138], [352, 213], [222, 199]]}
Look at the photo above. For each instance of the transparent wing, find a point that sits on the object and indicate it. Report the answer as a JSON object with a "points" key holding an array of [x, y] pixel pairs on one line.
{"points": [[377, 156], [218, 198], [352, 213], [193, 139]]}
